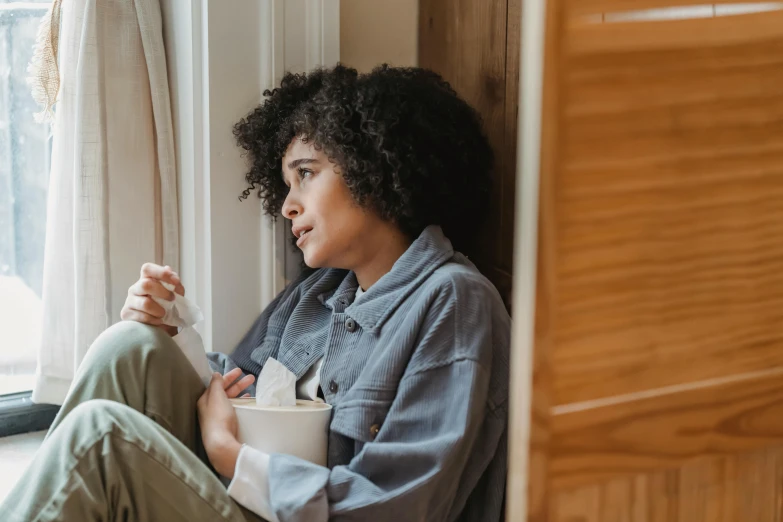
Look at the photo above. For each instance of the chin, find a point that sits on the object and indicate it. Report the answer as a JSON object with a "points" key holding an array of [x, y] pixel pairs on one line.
{"points": [[313, 261]]}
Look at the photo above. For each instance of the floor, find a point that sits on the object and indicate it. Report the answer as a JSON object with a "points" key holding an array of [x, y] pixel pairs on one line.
{"points": [[16, 452]]}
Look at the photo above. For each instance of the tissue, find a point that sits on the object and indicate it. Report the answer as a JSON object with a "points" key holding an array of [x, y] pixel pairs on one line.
{"points": [[180, 312], [276, 385], [191, 344], [184, 314]]}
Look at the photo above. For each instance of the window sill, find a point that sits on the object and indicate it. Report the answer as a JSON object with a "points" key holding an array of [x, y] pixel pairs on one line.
{"points": [[19, 414]]}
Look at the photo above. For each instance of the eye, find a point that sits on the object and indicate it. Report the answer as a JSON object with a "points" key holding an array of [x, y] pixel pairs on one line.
{"points": [[304, 173]]}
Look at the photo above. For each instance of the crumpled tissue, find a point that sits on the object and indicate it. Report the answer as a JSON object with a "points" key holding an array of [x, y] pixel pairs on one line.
{"points": [[179, 312], [276, 385], [183, 314]]}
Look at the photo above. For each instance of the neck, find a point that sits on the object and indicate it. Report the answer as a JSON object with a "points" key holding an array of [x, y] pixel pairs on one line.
{"points": [[388, 248]]}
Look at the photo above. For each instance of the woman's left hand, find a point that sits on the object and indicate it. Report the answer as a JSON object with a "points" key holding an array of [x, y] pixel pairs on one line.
{"points": [[218, 423]]}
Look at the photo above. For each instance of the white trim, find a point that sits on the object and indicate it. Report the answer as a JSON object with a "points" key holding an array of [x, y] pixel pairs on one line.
{"points": [[272, 69], [183, 28], [525, 251], [221, 58], [322, 32], [312, 39]]}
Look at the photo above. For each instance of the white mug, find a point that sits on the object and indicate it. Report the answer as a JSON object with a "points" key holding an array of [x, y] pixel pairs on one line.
{"points": [[301, 430]]}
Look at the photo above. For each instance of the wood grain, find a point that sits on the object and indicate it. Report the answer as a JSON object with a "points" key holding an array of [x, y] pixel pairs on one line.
{"points": [[669, 215], [539, 492], [660, 306], [583, 7], [734, 488], [532, 502], [508, 159], [466, 42], [627, 435], [697, 33]]}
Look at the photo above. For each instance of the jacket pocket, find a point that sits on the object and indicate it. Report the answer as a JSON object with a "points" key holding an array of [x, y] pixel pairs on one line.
{"points": [[362, 418]]}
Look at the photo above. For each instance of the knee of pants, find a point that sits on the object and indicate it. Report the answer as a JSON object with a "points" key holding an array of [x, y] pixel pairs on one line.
{"points": [[127, 342], [98, 414]]}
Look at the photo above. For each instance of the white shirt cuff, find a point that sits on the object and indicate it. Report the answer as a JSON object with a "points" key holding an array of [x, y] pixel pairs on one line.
{"points": [[250, 485]]}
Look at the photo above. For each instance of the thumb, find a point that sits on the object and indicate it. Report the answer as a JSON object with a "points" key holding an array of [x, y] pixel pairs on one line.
{"points": [[216, 382]]}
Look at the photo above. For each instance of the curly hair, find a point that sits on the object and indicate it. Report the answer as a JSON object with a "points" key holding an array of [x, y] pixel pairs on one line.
{"points": [[407, 146]]}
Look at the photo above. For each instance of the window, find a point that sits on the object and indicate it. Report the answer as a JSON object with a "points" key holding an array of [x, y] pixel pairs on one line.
{"points": [[25, 154]]}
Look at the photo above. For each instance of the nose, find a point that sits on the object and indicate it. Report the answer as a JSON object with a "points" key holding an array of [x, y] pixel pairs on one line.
{"points": [[291, 206]]}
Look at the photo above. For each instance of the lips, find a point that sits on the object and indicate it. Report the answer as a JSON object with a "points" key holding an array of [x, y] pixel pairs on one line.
{"points": [[301, 232], [302, 239]]}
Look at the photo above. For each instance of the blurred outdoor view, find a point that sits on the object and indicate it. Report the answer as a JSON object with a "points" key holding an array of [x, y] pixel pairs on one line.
{"points": [[25, 154]]}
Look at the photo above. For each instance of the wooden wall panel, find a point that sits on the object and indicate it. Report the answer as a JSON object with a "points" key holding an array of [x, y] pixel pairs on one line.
{"points": [[475, 46], [661, 270], [735, 488], [509, 154], [597, 440], [582, 7], [669, 212]]}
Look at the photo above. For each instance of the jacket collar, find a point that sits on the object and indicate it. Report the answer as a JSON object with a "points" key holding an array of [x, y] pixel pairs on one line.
{"points": [[428, 252]]}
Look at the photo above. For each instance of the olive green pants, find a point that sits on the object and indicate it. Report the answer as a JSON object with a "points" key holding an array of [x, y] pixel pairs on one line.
{"points": [[126, 444]]}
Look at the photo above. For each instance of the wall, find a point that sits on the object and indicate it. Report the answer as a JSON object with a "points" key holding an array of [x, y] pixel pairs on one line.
{"points": [[378, 31], [220, 59], [474, 45]]}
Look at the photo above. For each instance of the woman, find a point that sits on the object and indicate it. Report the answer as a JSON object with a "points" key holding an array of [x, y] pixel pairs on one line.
{"points": [[395, 329]]}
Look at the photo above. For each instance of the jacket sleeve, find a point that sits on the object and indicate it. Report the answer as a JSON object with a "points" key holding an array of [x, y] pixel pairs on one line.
{"points": [[411, 469]]}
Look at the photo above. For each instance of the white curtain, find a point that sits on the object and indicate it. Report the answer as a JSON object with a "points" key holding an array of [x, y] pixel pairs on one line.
{"points": [[113, 194]]}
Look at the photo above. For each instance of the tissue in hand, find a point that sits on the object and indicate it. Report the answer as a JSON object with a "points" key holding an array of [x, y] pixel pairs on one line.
{"points": [[180, 312], [276, 385], [184, 314]]}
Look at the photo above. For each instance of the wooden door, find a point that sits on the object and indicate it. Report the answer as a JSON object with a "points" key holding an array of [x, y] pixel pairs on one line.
{"points": [[474, 45], [658, 355]]}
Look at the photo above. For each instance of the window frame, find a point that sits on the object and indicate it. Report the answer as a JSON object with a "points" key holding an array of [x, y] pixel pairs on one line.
{"points": [[220, 62], [18, 413], [221, 237]]}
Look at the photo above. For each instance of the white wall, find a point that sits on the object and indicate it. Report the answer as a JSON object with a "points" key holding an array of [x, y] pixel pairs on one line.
{"points": [[221, 56], [377, 31]]}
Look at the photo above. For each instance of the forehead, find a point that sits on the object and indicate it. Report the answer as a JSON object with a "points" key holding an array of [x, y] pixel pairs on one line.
{"points": [[298, 149]]}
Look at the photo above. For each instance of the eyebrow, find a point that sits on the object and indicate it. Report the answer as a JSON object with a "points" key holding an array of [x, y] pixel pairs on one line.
{"points": [[301, 161]]}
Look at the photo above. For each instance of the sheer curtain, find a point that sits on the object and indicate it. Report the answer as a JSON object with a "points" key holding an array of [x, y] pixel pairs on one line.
{"points": [[113, 195]]}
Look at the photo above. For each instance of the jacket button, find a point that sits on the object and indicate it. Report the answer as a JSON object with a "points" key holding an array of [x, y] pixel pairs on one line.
{"points": [[333, 387], [374, 429], [350, 325]]}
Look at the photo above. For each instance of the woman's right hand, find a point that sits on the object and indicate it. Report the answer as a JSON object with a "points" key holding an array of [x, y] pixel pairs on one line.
{"points": [[139, 305]]}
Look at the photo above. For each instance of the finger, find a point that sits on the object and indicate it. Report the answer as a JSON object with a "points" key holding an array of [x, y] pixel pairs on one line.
{"points": [[216, 382], [161, 273], [152, 270], [128, 314], [145, 305], [231, 376], [236, 388], [151, 287]]}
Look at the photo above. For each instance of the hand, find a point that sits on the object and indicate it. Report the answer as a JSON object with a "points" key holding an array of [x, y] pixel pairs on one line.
{"points": [[233, 389], [218, 421], [139, 305]]}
